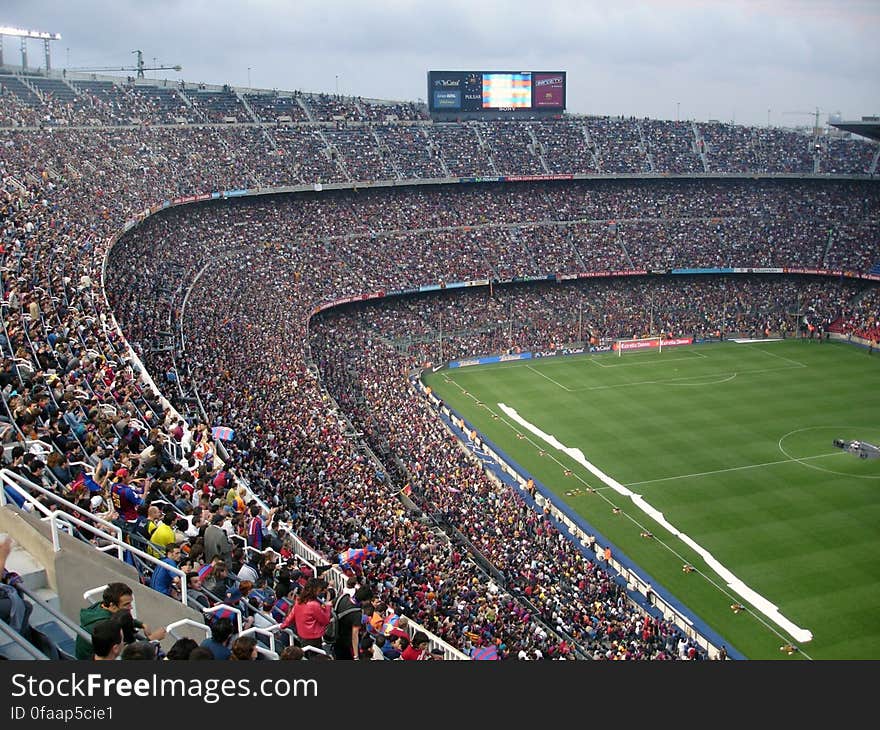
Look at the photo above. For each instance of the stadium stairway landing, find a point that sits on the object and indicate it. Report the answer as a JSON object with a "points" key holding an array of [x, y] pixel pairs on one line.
{"points": [[48, 634]]}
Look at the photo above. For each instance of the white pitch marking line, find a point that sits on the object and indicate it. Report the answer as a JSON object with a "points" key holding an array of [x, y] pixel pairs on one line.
{"points": [[672, 381], [761, 604], [547, 377], [773, 354], [669, 381], [734, 468], [644, 362]]}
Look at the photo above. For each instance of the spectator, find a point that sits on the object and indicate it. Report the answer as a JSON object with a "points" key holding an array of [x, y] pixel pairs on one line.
{"points": [[14, 609], [163, 580], [311, 613], [125, 499], [378, 651], [106, 640], [349, 610], [117, 598], [163, 535], [195, 596], [417, 649], [221, 633], [217, 544], [216, 582], [181, 649], [244, 648], [140, 650]]}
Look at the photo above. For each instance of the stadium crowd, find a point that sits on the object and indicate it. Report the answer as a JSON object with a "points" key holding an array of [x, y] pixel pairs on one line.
{"points": [[501, 575]]}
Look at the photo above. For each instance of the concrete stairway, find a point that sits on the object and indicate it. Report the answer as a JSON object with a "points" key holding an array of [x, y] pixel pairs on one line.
{"points": [[50, 635]]}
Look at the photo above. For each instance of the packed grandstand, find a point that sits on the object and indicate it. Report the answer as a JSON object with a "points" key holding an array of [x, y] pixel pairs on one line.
{"points": [[277, 264]]}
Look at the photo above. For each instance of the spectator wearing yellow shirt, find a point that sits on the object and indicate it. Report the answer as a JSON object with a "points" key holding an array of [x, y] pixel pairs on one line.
{"points": [[163, 535]]}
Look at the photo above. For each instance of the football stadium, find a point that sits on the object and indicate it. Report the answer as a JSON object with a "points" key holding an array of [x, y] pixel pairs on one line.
{"points": [[296, 375]]}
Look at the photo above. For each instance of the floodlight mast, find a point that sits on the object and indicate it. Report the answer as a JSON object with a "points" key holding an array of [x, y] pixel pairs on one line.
{"points": [[24, 35]]}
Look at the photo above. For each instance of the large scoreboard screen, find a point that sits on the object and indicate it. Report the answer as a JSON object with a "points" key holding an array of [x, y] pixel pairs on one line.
{"points": [[477, 91]]}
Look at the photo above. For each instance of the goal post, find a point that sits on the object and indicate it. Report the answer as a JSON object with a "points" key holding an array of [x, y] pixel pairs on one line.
{"points": [[621, 346]]}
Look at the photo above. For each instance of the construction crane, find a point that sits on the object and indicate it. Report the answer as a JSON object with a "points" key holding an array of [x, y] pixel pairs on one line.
{"points": [[140, 68], [815, 114]]}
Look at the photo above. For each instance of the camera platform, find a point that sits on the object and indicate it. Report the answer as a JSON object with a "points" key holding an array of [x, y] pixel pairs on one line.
{"points": [[862, 449]]}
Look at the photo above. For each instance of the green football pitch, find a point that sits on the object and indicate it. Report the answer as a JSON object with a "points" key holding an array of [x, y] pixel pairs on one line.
{"points": [[731, 447]]}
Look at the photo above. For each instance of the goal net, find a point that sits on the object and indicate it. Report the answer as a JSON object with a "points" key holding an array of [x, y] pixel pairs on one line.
{"points": [[636, 345]]}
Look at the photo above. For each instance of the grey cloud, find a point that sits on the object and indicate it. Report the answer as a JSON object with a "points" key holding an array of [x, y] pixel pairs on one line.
{"points": [[626, 55]]}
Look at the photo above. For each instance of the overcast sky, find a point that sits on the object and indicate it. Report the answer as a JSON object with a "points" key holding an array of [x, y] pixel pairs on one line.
{"points": [[740, 60]]}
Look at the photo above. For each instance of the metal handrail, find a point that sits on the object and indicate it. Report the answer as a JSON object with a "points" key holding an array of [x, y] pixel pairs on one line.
{"points": [[270, 652], [85, 465], [227, 607], [71, 520], [187, 622], [25, 443], [49, 515], [56, 614], [155, 561], [6, 475], [87, 596], [264, 551]]}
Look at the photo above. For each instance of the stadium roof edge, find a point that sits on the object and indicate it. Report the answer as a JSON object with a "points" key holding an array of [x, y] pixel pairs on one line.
{"points": [[869, 127]]}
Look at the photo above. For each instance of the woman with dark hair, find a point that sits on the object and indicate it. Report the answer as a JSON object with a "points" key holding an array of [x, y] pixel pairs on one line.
{"points": [[181, 649], [311, 613], [59, 467], [417, 649], [283, 582]]}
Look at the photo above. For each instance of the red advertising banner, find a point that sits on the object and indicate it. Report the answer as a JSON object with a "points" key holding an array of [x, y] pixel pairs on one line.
{"points": [[651, 343], [637, 345]]}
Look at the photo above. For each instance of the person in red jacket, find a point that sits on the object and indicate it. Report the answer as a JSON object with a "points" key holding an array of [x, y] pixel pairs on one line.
{"points": [[417, 649], [311, 613]]}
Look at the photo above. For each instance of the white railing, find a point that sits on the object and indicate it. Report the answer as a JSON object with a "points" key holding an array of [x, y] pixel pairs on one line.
{"points": [[171, 628], [9, 479], [27, 445], [268, 632], [92, 592], [222, 607], [144, 556], [54, 516], [17, 482], [305, 553], [270, 653], [250, 549]]}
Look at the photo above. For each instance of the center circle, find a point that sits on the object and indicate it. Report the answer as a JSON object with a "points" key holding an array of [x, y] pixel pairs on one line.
{"points": [[841, 432]]}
